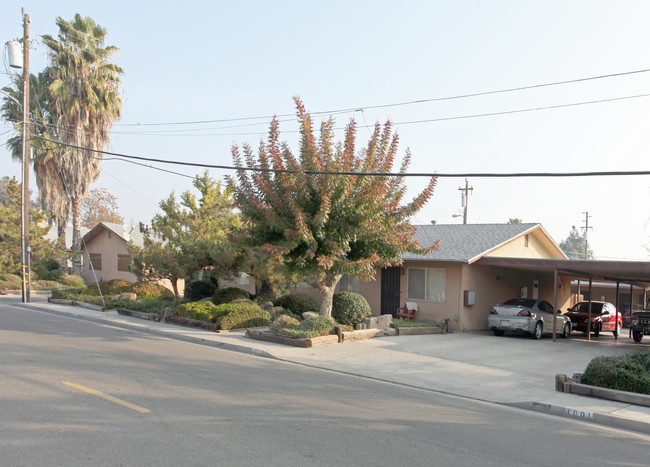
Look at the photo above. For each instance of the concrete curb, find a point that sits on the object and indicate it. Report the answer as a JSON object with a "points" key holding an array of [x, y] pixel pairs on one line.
{"points": [[584, 415]]}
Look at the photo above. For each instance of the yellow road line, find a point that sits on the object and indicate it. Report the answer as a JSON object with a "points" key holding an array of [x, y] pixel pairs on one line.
{"points": [[97, 393]]}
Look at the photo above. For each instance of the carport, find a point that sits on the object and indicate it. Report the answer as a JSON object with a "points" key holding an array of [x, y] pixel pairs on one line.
{"points": [[627, 272]]}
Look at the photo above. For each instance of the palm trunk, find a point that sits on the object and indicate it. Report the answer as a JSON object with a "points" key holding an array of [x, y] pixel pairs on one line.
{"points": [[76, 236], [60, 243]]}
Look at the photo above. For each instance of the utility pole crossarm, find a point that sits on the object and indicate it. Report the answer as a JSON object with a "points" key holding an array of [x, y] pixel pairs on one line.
{"points": [[465, 199]]}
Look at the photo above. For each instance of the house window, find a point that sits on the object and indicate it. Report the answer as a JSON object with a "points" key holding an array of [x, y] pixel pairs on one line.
{"points": [[96, 261], [426, 284], [349, 283], [240, 279], [123, 262]]}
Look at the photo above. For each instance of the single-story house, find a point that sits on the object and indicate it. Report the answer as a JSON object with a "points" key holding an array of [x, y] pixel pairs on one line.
{"points": [[106, 256]]}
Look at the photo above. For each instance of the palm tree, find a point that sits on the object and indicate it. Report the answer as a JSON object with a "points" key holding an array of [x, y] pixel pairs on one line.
{"points": [[85, 95], [46, 151]]}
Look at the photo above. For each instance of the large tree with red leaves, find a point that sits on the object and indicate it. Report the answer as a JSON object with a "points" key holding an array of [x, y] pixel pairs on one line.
{"points": [[325, 214]]}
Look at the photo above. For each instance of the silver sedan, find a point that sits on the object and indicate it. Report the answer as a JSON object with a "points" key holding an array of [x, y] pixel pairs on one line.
{"points": [[527, 315]]}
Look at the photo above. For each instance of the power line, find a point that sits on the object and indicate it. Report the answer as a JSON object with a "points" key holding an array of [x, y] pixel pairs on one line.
{"points": [[366, 174], [396, 104]]}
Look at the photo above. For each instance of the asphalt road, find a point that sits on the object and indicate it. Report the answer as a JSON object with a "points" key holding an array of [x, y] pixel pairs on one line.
{"points": [[77, 393]]}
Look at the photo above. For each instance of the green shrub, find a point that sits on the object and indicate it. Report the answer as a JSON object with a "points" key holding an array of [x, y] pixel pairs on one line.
{"points": [[111, 287], [625, 373], [268, 296], [228, 294], [45, 284], [196, 290], [71, 280], [12, 282], [151, 289], [350, 308], [298, 303], [282, 322], [309, 328], [203, 311], [67, 294], [243, 316]]}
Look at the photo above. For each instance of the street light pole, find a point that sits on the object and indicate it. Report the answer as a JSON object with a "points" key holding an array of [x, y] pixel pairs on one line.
{"points": [[26, 152]]}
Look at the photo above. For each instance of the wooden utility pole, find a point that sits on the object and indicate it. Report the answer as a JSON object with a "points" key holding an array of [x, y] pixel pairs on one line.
{"points": [[26, 152], [586, 227], [465, 199]]}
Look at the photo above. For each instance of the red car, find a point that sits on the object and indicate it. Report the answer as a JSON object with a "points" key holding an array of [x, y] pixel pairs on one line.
{"points": [[603, 317]]}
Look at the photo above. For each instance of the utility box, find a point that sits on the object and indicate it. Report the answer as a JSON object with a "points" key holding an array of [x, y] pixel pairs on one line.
{"points": [[469, 298]]}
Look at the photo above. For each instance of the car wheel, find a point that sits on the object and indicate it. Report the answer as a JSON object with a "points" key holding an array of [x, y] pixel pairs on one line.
{"points": [[498, 332], [566, 330], [597, 331], [539, 330], [637, 336], [617, 330]]}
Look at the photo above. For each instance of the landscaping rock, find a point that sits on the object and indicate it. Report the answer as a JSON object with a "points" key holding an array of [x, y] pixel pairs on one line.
{"points": [[310, 314], [266, 306], [125, 296], [276, 309]]}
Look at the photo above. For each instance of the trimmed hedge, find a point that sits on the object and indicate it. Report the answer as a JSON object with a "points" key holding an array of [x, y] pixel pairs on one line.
{"points": [[350, 308], [311, 327], [242, 316], [625, 373], [70, 280], [228, 294], [298, 303], [196, 290]]}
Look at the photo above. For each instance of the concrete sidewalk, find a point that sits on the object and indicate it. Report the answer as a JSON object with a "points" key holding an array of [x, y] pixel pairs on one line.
{"points": [[516, 371]]}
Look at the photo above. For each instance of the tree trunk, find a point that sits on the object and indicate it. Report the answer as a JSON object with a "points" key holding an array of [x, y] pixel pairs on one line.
{"points": [[174, 282], [76, 236], [327, 286], [60, 243]]}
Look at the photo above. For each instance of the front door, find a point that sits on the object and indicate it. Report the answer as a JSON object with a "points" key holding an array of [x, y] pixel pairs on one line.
{"points": [[390, 282]]}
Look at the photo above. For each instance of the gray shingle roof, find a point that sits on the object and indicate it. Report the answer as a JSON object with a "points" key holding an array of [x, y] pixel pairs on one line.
{"points": [[126, 232], [462, 242]]}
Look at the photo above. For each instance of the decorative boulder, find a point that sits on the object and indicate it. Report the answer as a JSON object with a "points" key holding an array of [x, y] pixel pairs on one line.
{"points": [[266, 306], [126, 296], [310, 314]]}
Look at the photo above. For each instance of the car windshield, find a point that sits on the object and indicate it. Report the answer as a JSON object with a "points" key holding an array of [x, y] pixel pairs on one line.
{"points": [[526, 302], [583, 307]]}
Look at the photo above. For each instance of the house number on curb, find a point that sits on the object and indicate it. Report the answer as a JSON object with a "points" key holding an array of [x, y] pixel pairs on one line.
{"points": [[579, 413], [257, 351]]}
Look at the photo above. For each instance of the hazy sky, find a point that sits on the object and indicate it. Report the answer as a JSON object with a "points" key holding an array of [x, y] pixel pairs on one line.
{"points": [[197, 61]]}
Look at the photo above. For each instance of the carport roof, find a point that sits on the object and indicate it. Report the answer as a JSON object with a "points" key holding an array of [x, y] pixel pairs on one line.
{"points": [[629, 272]]}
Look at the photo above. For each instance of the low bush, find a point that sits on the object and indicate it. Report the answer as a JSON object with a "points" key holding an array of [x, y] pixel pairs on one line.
{"points": [[625, 373], [283, 322], [151, 289], [10, 282], [43, 284], [268, 296], [203, 311], [111, 287], [196, 290], [309, 328], [228, 294], [70, 280], [242, 316], [67, 294], [350, 308], [298, 303]]}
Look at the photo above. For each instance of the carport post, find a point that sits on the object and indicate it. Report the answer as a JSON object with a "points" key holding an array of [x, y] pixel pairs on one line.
{"points": [[589, 318], [554, 304], [631, 297], [616, 317]]}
